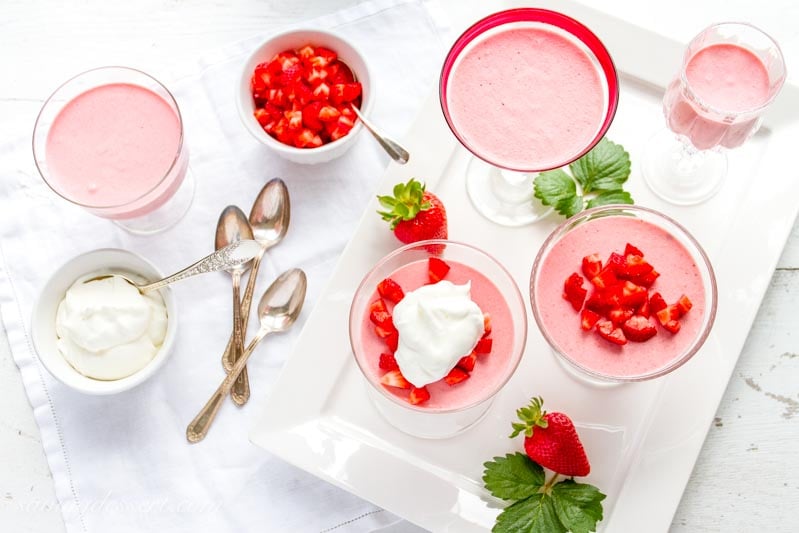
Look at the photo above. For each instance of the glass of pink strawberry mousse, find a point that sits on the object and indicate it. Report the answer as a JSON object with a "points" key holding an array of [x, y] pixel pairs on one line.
{"points": [[525, 90], [450, 409], [674, 253], [110, 140], [730, 74]]}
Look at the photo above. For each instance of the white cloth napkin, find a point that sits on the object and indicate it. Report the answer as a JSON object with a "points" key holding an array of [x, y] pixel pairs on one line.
{"points": [[121, 463]]}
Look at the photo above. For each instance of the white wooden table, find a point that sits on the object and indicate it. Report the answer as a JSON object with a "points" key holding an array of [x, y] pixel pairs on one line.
{"points": [[747, 477]]}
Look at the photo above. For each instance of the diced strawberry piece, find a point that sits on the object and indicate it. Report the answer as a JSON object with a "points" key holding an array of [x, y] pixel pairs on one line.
{"points": [[574, 292], [646, 280], [277, 98], [301, 94], [321, 91], [338, 131], [274, 67], [418, 395], [329, 113], [262, 116], [486, 324], [315, 76], [307, 139], [281, 131], [684, 304], [617, 263], [639, 329], [588, 319], [323, 57], [672, 326], [347, 112], [394, 378], [605, 278], [657, 303], [597, 303], [620, 315], [635, 266], [467, 362], [388, 362], [290, 75], [484, 346], [287, 59], [629, 249], [390, 290], [378, 313], [295, 119], [632, 295], [386, 329], [671, 312], [592, 266], [436, 269], [644, 310], [608, 331], [310, 116], [455, 376], [340, 73], [344, 92], [306, 53], [392, 341]]}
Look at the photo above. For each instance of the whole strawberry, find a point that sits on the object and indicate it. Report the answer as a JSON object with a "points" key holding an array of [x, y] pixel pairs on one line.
{"points": [[551, 440], [414, 214]]}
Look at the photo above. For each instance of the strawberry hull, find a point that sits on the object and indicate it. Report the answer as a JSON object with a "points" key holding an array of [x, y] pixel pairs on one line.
{"points": [[678, 274]]}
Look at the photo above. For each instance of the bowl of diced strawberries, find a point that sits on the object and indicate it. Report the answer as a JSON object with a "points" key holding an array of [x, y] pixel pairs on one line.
{"points": [[296, 94]]}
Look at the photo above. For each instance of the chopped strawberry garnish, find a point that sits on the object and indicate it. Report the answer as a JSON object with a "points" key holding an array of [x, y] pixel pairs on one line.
{"points": [[307, 139], [392, 340], [592, 266], [684, 304], [671, 312], [386, 330], [486, 324], [646, 280], [573, 291], [620, 315], [418, 395], [323, 57], [390, 290], [629, 249], [632, 295], [608, 331], [639, 329], [455, 376], [617, 263], [329, 113], [605, 278], [436, 269], [635, 266], [588, 319], [394, 378], [344, 92], [657, 303], [388, 362], [378, 313], [340, 73], [310, 116], [467, 362], [483, 346], [672, 326], [644, 310]]}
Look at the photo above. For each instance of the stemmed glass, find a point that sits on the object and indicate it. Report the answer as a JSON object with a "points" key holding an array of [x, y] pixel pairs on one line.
{"points": [[730, 73], [525, 90]]}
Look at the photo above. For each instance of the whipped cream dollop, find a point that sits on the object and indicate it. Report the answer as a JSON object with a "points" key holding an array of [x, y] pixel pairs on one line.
{"points": [[437, 324], [107, 329]]}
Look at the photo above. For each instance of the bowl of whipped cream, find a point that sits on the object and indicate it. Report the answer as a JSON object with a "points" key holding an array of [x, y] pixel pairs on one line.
{"points": [[96, 332]]}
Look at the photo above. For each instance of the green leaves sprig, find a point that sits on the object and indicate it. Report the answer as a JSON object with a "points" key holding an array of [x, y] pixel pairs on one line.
{"points": [[540, 507], [601, 174]]}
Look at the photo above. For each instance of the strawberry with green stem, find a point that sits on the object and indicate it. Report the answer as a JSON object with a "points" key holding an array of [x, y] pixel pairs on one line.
{"points": [[414, 213]]}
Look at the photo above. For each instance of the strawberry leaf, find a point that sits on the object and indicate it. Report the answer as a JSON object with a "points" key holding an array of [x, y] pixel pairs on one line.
{"points": [[513, 477], [535, 514], [578, 505], [610, 197], [605, 168], [556, 188]]}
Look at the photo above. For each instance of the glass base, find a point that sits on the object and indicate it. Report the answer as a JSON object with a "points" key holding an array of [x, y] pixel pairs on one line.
{"points": [[679, 173], [166, 215], [503, 196]]}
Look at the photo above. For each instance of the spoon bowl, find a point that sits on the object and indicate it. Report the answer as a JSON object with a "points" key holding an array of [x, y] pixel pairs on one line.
{"points": [[271, 213], [231, 227]]}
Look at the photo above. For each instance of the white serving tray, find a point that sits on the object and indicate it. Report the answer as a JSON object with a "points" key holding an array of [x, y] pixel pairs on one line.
{"points": [[642, 439]]}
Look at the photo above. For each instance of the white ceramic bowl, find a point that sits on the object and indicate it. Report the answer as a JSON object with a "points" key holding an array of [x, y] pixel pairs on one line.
{"points": [[295, 39], [106, 260]]}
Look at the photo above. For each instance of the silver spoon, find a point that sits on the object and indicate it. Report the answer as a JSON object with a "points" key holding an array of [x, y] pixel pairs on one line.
{"points": [[394, 150], [269, 220], [278, 309], [232, 227], [237, 253]]}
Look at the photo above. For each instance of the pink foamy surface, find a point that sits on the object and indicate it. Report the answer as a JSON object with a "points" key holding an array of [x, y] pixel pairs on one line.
{"points": [[112, 145], [679, 275], [728, 78], [491, 369], [526, 99]]}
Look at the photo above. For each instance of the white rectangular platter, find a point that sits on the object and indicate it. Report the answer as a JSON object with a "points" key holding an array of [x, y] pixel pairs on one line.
{"points": [[642, 439]]}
